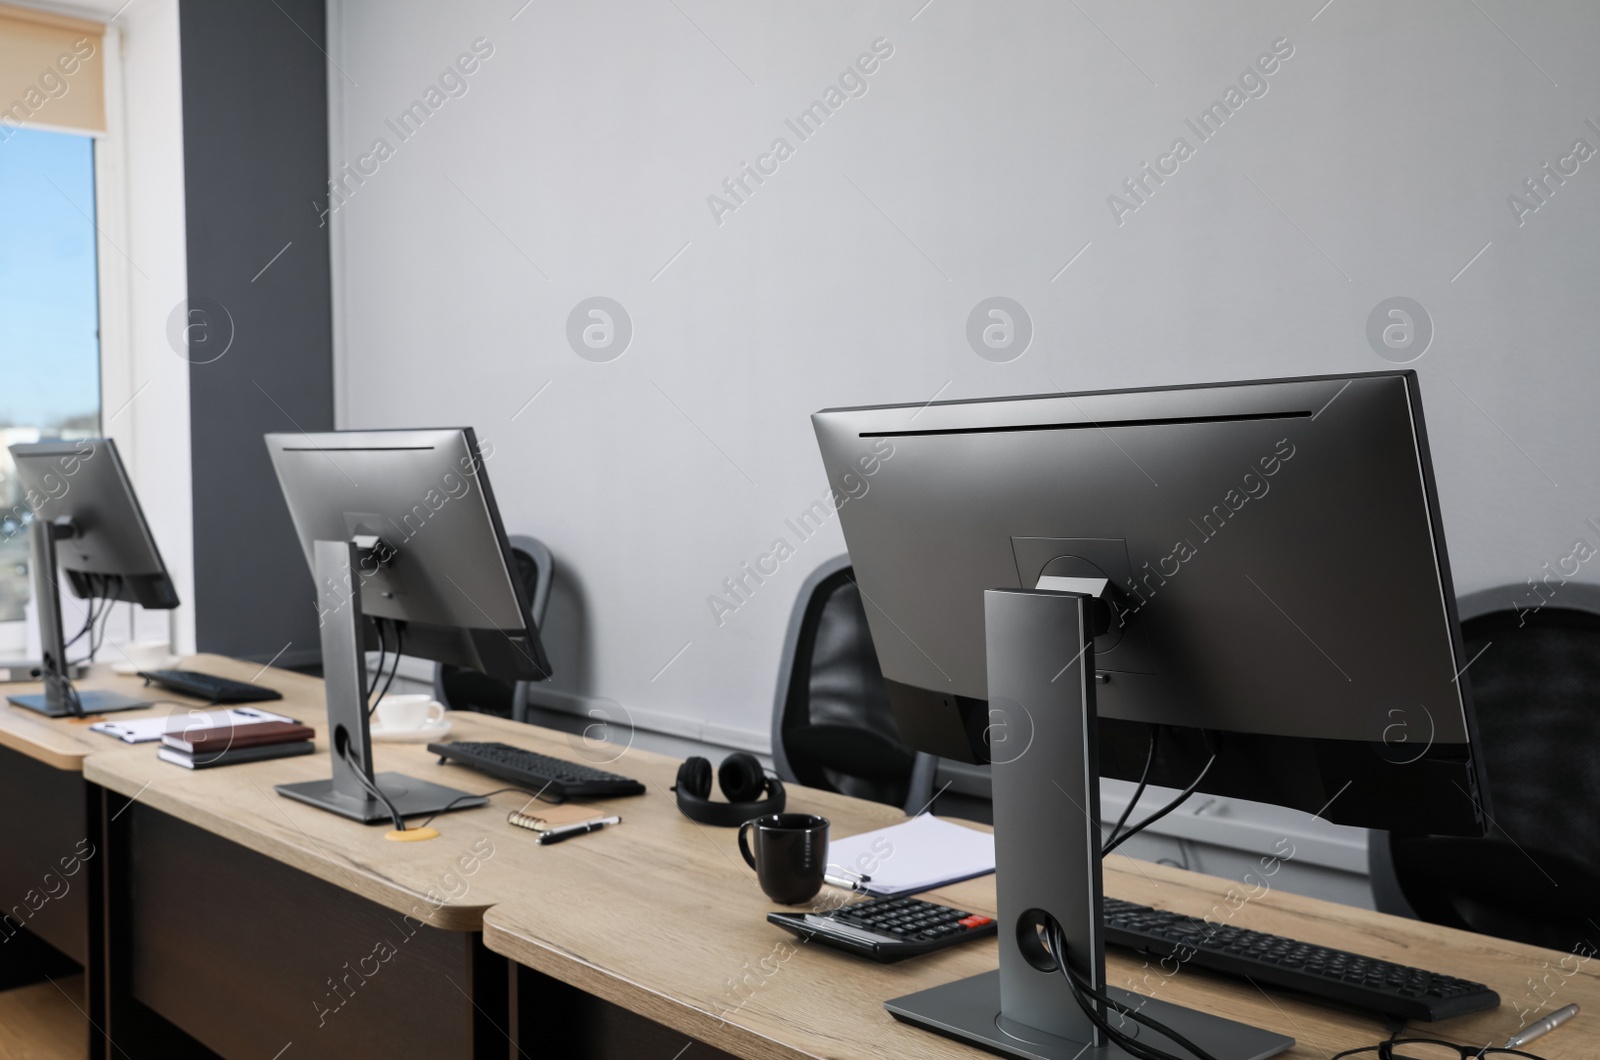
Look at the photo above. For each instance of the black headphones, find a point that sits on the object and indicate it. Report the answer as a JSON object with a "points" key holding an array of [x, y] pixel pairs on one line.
{"points": [[750, 791]]}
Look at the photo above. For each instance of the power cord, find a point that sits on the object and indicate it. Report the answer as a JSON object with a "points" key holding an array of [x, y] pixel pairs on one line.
{"points": [[383, 652], [1183, 797], [1138, 793], [97, 638], [1084, 993], [94, 615], [497, 791], [394, 667], [373, 789], [88, 624]]}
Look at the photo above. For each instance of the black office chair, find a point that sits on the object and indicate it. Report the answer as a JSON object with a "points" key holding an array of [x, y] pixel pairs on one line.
{"points": [[831, 724], [1536, 877], [459, 688]]}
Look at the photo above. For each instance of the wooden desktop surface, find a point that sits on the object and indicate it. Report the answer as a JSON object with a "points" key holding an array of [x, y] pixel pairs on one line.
{"points": [[661, 916], [684, 942], [63, 743]]}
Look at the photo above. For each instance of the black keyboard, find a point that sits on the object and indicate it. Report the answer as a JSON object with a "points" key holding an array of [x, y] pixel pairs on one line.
{"points": [[888, 929], [553, 776], [208, 686], [1332, 975]]}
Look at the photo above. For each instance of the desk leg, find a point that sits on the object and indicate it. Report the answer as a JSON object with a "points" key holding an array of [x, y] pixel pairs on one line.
{"points": [[493, 1033], [94, 968], [48, 878], [127, 1027]]}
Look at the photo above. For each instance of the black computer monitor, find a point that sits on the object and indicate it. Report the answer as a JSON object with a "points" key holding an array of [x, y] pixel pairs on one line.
{"points": [[404, 539], [85, 521], [1277, 580], [1267, 559]]}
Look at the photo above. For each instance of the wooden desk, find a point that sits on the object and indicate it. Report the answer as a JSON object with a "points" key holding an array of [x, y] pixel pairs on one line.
{"points": [[251, 923], [52, 874], [676, 933], [327, 892], [658, 919]]}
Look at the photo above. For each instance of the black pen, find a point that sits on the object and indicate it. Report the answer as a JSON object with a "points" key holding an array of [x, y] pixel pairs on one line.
{"points": [[556, 835]]}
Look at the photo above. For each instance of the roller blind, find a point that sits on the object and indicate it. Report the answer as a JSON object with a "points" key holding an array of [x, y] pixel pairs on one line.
{"points": [[52, 73]]}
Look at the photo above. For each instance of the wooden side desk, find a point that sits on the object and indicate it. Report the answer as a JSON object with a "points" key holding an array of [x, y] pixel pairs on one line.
{"points": [[255, 924], [52, 874], [243, 917]]}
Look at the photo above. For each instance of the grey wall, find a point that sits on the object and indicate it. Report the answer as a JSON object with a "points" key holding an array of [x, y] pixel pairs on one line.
{"points": [[978, 163], [255, 160]]}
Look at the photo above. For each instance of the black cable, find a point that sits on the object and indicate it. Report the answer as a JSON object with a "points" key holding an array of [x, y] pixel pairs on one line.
{"points": [[377, 792], [1168, 808], [63, 678], [383, 652], [88, 624], [497, 791], [1138, 793], [91, 616], [399, 642], [1083, 992], [97, 639], [74, 701]]}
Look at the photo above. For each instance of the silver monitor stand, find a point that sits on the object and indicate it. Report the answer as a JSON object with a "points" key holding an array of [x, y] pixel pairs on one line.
{"points": [[1047, 857], [344, 672], [59, 699]]}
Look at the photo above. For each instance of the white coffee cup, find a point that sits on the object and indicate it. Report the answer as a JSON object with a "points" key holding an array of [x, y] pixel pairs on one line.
{"points": [[142, 655], [410, 712]]}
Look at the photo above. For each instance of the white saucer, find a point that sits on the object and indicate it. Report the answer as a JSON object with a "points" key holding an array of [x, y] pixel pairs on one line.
{"points": [[428, 732], [127, 669]]}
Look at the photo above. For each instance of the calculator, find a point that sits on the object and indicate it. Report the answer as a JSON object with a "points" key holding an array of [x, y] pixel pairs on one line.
{"points": [[888, 929]]}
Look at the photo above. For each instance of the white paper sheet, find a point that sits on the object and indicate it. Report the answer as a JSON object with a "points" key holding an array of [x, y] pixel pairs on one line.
{"points": [[919, 855], [147, 730]]}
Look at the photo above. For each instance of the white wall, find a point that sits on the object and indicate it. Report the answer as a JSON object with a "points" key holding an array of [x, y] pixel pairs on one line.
{"points": [[978, 163]]}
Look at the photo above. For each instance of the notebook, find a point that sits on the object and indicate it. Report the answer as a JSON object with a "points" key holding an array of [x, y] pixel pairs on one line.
{"points": [[542, 818], [148, 730], [919, 855], [198, 740], [235, 755]]}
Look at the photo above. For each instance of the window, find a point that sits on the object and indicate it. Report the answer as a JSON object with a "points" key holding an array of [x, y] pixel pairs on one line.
{"points": [[49, 327]]}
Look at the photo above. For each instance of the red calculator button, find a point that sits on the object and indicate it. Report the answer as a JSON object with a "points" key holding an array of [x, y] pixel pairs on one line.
{"points": [[974, 921]]}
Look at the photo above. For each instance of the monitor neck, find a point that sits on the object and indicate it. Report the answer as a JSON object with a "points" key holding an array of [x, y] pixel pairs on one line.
{"points": [[344, 665], [1043, 752], [47, 596]]}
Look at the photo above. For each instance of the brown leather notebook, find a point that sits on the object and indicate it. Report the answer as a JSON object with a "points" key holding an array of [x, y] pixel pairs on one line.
{"points": [[212, 740]]}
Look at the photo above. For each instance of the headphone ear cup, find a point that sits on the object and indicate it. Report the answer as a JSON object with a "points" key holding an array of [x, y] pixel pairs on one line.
{"points": [[741, 777], [694, 777]]}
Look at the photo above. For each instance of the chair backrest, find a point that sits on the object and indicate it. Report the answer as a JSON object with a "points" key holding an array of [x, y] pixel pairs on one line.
{"points": [[1535, 682], [831, 723], [461, 689]]}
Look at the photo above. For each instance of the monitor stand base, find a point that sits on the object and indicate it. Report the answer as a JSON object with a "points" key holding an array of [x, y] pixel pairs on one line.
{"points": [[93, 703], [411, 798], [968, 1010]]}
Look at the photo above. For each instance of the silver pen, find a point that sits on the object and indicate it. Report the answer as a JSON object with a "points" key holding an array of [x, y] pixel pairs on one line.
{"points": [[1539, 1028]]}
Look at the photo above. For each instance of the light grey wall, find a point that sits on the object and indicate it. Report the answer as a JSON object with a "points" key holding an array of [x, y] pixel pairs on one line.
{"points": [[978, 163]]}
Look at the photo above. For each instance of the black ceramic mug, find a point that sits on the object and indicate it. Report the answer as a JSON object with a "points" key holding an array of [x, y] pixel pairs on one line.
{"points": [[791, 854]]}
